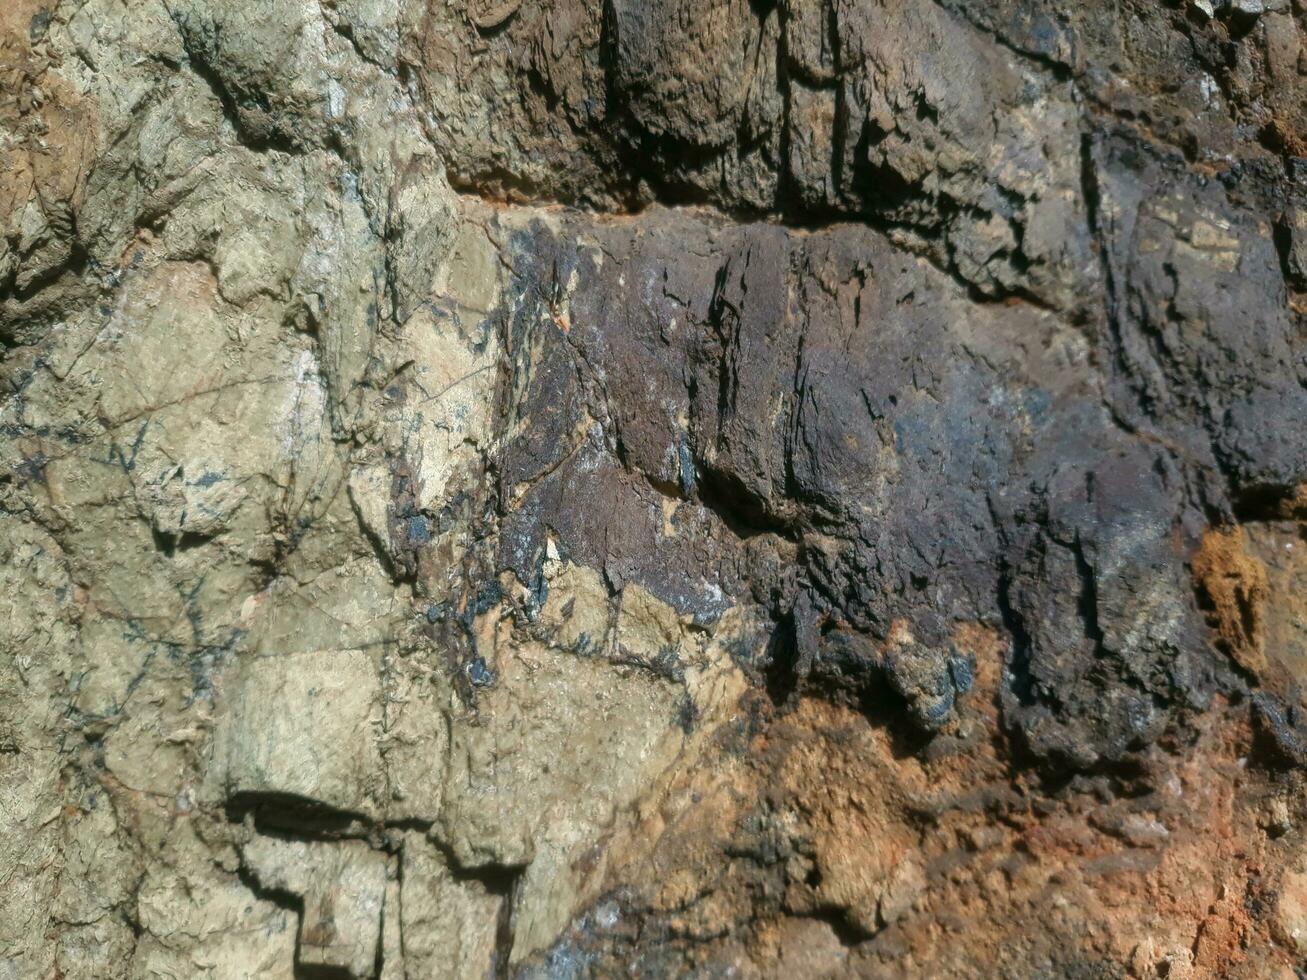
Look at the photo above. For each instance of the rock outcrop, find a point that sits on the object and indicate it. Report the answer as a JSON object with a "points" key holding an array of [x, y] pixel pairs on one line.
{"points": [[789, 488]]}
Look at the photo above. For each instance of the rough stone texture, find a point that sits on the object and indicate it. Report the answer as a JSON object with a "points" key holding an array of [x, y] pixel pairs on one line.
{"points": [[595, 488], [343, 887]]}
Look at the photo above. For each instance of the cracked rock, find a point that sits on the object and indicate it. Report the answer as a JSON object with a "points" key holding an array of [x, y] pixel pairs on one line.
{"points": [[300, 727], [342, 885], [647, 488]]}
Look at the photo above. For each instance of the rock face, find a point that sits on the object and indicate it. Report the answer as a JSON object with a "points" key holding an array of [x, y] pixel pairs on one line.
{"points": [[790, 488]]}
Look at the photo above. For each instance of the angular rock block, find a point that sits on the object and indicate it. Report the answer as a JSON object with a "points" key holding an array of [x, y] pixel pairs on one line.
{"points": [[343, 886], [301, 727]]}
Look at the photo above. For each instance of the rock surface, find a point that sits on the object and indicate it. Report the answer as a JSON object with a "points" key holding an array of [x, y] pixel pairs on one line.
{"points": [[795, 488]]}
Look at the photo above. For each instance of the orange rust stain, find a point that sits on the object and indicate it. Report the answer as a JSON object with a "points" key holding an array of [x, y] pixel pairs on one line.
{"points": [[1234, 585]]}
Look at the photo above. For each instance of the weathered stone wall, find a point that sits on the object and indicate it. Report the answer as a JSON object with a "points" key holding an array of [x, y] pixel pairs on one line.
{"points": [[786, 488]]}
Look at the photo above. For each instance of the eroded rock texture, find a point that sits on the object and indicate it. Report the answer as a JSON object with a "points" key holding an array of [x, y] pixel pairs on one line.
{"points": [[587, 488]]}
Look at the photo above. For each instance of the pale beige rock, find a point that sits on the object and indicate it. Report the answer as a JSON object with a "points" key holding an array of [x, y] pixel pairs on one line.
{"points": [[415, 741], [423, 222], [198, 922], [447, 417], [343, 886], [392, 936], [37, 630], [562, 725], [450, 924], [302, 726], [1291, 909], [573, 733], [333, 596]]}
